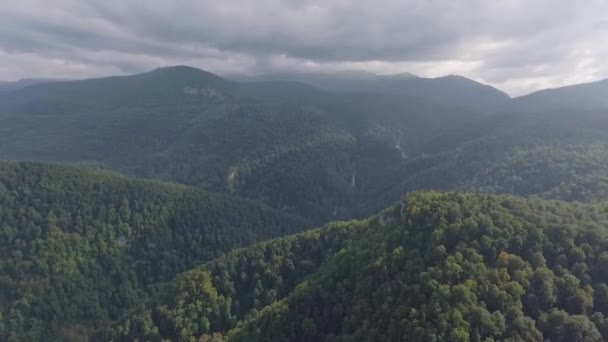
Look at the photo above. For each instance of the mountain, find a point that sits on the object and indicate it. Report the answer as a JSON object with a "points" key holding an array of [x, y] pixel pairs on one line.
{"points": [[161, 85], [314, 77], [448, 90], [81, 247], [436, 267], [293, 146], [88, 254], [314, 153], [6, 87], [560, 156], [588, 96]]}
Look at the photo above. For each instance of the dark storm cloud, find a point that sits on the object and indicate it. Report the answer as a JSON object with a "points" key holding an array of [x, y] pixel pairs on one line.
{"points": [[517, 44]]}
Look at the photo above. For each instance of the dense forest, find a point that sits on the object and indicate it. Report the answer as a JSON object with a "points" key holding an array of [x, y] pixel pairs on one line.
{"points": [[287, 144], [562, 155], [437, 267], [80, 247], [175, 205], [315, 153]]}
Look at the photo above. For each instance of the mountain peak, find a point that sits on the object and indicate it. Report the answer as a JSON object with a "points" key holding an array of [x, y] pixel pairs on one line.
{"points": [[182, 70], [185, 76], [454, 77], [404, 75], [177, 68]]}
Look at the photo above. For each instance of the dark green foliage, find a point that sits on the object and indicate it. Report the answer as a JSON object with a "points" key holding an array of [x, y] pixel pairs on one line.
{"points": [[214, 297], [317, 154], [551, 155], [295, 147], [438, 267], [80, 247]]}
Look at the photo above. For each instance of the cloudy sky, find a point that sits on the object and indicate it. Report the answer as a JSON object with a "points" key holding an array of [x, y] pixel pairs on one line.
{"points": [[516, 45]]}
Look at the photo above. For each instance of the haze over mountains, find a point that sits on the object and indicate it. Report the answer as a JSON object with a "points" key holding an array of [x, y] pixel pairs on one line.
{"points": [[450, 89], [453, 89], [90, 253], [23, 83], [294, 146], [577, 97]]}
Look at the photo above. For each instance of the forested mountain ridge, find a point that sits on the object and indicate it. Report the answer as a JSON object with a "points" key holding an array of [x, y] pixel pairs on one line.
{"points": [[79, 247], [587, 96], [290, 145], [160, 85], [84, 250], [437, 267], [319, 154], [556, 155], [449, 90]]}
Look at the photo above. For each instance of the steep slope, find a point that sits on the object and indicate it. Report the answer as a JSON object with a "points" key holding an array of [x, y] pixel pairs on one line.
{"points": [[291, 145], [587, 96], [552, 155], [437, 267], [80, 247]]}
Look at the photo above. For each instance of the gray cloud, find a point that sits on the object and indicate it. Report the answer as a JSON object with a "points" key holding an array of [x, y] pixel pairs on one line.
{"points": [[517, 45]]}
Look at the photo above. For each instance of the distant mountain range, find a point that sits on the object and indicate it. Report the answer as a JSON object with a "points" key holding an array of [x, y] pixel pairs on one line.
{"points": [[588, 96], [295, 146], [26, 82], [453, 90]]}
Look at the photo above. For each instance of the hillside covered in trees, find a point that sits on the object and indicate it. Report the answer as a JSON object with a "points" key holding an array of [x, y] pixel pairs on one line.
{"points": [[93, 254], [315, 153], [562, 155], [437, 267], [287, 144], [78, 248]]}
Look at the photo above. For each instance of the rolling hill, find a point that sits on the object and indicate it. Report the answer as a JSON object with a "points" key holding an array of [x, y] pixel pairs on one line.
{"points": [[436, 267], [80, 247]]}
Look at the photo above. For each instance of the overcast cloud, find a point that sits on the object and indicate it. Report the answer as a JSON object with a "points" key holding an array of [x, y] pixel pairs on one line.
{"points": [[516, 45]]}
